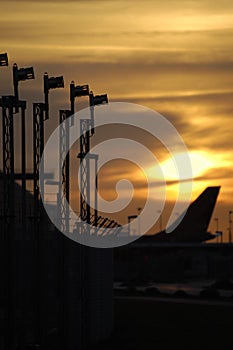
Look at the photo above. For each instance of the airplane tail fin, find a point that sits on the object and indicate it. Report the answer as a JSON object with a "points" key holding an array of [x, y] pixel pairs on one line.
{"points": [[197, 217]]}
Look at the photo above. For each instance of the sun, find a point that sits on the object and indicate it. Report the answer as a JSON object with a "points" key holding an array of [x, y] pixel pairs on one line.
{"points": [[200, 163]]}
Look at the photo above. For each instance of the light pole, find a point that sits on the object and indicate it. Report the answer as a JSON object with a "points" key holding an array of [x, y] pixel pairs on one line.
{"points": [[87, 130], [76, 91], [139, 210], [64, 192], [85, 214], [230, 222], [51, 83], [40, 115], [160, 220], [216, 220], [130, 217], [20, 74], [95, 100]]}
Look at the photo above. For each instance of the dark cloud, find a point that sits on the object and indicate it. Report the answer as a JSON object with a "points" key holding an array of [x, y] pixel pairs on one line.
{"points": [[210, 7], [217, 174], [149, 61], [54, 1]]}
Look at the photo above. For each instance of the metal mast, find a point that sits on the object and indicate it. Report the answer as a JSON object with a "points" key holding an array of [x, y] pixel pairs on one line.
{"points": [[64, 196]]}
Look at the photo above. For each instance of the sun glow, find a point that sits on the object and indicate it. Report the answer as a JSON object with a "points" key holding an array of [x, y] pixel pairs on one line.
{"points": [[201, 162]]}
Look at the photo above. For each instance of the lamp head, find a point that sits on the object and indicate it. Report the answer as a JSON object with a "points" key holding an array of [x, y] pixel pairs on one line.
{"points": [[21, 74], [3, 59], [53, 82], [79, 90], [98, 99], [56, 83]]}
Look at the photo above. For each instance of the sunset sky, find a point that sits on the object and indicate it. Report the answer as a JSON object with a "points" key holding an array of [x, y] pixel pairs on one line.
{"points": [[173, 56]]}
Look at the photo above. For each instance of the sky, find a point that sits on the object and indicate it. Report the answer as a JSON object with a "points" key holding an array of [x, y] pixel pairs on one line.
{"points": [[172, 56]]}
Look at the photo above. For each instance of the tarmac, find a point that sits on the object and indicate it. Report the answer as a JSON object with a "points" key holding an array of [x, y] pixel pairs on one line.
{"points": [[171, 323]]}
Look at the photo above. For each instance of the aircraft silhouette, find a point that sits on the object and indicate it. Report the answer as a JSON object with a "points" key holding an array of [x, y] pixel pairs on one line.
{"points": [[193, 227]]}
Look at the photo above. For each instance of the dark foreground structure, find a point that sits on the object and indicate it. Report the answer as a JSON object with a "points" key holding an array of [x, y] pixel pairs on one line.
{"points": [[158, 323], [55, 293], [181, 262]]}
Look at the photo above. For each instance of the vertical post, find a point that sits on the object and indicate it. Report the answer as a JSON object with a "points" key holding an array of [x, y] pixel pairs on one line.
{"points": [[129, 226], [95, 158], [41, 164], [160, 220], [92, 104], [139, 228], [8, 154], [72, 97], [9, 213], [78, 91], [38, 146], [63, 212], [85, 171], [230, 222], [8, 104], [23, 150], [46, 95], [216, 220], [16, 84], [65, 167], [96, 190], [23, 165], [92, 122]]}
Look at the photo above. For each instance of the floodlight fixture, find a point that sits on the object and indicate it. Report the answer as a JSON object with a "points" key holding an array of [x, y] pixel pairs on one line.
{"points": [[20, 74], [78, 91], [3, 59], [51, 83], [130, 217], [98, 99], [95, 100]]}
